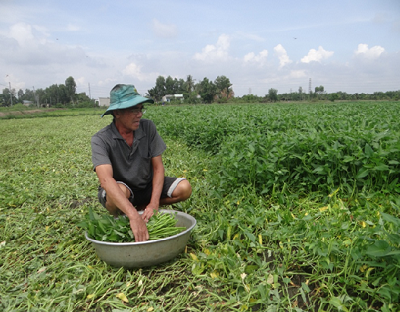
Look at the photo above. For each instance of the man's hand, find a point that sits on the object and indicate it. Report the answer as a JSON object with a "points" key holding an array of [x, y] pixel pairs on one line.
{"points": [[158, 182], [139, 229], [149, 212]]}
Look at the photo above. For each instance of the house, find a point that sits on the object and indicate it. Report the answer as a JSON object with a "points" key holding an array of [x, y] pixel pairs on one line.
{"points": [[27, 103], [168, 97], [104, 101]]}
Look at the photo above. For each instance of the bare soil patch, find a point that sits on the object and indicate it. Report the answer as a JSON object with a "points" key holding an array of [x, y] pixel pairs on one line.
{"points": [[27, 112]]}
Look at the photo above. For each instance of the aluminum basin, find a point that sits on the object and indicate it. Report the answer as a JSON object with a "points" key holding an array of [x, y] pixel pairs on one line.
{"points": [[148, 253]]}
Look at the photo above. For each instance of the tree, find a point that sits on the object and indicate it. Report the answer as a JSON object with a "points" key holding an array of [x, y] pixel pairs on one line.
{"points": [[39, 96], [181, 86], [28, 95], [319, 90], [9, 97], [71, 88], [52, 94], [208, 90], [62, 95], [333, 96], [192, 98], [301, 97], [223, 86], [273, 95], [189, 83], [170, 85], [20, 95], [159, 90]]}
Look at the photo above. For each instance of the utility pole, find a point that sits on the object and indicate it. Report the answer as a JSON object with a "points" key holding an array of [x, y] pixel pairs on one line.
{"points": [[34, 96], [90, 96], [9, 84]]}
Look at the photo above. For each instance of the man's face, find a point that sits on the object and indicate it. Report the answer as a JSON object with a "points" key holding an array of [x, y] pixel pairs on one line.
{"points": [[129, 118]]}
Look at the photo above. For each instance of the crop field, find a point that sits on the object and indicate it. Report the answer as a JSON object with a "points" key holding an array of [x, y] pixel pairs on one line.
{"points": [[297, 209]]}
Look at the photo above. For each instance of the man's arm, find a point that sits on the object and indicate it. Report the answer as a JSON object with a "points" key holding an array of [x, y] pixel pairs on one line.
{"points": [[117, 199], [158, 183]]}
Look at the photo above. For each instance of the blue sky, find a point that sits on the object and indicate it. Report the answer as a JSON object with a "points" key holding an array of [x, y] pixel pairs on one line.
{"points": [[343, 45]]}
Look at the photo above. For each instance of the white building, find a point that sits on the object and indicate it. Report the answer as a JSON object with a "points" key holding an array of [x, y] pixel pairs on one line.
{"points": [[168, 97], [104, 101], [27, 103]]}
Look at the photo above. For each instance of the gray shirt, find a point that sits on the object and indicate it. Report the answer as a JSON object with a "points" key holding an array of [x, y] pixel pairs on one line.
{"points": [[131, 165]]}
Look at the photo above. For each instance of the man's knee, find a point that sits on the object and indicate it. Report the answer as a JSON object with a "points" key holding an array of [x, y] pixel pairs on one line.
{"points": [[183, 190], [124, 189], [111, 206]]}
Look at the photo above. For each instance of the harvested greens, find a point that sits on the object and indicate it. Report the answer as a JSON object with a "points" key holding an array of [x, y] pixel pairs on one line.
{"points": [[107, 228]]}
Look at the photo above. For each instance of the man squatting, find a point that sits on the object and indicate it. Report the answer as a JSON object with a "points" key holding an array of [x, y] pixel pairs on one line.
{"points": [[127, 158]]}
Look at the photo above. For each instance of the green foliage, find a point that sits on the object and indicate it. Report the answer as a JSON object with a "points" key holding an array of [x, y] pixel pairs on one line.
{"points": [[107, 228], [169, 86], [311, 223], [332, 97], [307, 148], [70, 86], [8, 97], [207, 90], [224, 89], [273, 95]]}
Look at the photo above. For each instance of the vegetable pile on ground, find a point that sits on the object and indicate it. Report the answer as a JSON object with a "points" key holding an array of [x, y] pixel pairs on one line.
{"points": [[107, 228]]}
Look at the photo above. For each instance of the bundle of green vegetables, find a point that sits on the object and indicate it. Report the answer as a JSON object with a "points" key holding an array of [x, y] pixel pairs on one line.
{"points": [[107, 228]]}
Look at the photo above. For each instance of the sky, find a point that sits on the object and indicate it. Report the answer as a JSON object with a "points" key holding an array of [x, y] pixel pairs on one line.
{"points": [[351, 46]]}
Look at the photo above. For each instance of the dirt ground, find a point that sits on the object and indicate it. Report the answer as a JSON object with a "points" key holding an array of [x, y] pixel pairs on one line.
{"points": [[26, 112]]}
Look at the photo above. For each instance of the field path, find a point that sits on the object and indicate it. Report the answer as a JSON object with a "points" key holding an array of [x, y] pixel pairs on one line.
{"points": [[25, 112]]}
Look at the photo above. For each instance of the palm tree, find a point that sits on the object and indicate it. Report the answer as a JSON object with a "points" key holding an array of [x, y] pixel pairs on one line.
{"points": [[189, 83]]}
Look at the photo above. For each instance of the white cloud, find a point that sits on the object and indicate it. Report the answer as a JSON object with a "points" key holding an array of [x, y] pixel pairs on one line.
{"points": [[282, 55], [106, 82], [259, 58], [27, 45], [372, 53], [71, 27], [135, 71], [164, 30], [132, 70], [22, 33], [249, 36], [215, 52], [297, 74], [317, 55], [12, 80], [81, 81]]}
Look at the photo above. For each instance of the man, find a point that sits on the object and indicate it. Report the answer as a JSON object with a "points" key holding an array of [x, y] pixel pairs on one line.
{"points": [[126, 156]]}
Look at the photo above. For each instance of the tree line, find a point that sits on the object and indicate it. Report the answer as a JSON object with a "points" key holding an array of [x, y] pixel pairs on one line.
{"points": [[192, 92], [204, 91], [57, 95], [220, 91]]}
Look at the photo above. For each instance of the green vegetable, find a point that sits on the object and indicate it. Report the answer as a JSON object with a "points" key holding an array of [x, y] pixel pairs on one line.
{"points": [[107, 228]]}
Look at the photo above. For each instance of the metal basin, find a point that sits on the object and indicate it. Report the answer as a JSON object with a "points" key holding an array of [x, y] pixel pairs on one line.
{"points": [[148, 253]]}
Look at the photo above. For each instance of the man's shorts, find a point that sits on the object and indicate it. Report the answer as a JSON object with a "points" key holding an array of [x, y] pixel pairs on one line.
{"points": [[142, 197]]}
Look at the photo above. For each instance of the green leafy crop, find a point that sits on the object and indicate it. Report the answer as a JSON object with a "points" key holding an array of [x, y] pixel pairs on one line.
{"points": [[107, 228]]}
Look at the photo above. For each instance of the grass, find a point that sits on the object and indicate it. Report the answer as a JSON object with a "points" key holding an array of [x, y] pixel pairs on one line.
{"points": [[255, 247]]}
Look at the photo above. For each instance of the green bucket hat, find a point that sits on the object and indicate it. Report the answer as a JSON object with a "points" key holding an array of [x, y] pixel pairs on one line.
{"points": [[123, 96]]}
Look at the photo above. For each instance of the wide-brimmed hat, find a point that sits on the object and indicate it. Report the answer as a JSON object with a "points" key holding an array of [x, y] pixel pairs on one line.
{"points": [[124, 96]]}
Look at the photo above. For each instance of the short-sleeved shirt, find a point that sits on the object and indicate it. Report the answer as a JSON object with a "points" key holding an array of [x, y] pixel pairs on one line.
{"points": [[131, 164]]}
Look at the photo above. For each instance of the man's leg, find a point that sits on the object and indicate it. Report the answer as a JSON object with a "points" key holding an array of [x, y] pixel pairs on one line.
{"points": [[182, 192], [110, 205]]}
